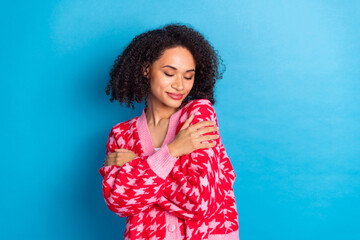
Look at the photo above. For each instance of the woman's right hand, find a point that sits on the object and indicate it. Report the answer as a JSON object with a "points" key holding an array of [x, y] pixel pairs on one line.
{"points": [[190, 138]]}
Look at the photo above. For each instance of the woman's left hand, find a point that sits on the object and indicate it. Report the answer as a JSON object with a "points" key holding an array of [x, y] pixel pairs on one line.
{"points": [[120, 157]]}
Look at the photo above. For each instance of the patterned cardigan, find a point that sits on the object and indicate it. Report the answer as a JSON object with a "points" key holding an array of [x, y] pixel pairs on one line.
{"points": [[166, 197]]}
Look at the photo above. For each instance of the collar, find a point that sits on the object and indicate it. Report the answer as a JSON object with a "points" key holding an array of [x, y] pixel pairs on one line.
{"points": [[144, 132]]}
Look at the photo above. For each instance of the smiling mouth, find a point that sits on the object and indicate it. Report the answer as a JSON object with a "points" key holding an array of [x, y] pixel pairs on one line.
{"points": [[175, 96]]}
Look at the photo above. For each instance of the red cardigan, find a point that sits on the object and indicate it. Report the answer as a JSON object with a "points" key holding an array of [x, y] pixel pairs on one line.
{"points": [[166, 197]]}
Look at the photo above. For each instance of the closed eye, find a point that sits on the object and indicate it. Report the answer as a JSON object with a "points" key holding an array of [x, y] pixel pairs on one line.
{"points": [[168, 74]]}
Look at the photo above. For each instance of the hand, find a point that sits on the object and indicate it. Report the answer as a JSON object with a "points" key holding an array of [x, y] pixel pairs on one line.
{"points": [[120, 157], [190, 138]]}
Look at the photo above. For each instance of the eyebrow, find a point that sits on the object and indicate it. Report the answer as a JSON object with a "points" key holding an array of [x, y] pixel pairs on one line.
{"points": [[176, 68]]}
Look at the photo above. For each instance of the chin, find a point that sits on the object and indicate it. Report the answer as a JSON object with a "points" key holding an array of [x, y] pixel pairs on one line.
{"points": [[176, 104]]}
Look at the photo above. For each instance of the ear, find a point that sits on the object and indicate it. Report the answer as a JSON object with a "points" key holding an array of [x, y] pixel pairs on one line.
{"points": [[146, 70]]}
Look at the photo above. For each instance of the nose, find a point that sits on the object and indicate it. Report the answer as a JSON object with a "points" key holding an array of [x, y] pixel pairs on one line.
{"points": [[178, 83]]}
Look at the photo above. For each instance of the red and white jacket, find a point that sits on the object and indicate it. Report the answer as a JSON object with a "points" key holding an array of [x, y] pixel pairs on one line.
{"points": [[166, 197]]}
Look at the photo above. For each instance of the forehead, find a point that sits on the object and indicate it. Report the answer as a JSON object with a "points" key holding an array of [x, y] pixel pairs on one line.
{"points": [[178, 57]]}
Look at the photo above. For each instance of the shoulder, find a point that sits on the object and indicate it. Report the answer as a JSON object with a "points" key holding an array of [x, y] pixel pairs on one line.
{"points": [[199, 104], [202, 109], [124, 128]]}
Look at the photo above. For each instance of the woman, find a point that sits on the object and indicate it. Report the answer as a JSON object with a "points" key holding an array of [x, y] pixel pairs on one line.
{"points": [[167, 170]]}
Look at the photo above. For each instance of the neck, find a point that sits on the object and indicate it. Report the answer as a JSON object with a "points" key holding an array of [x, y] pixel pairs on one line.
{"points": [[156, 112]]}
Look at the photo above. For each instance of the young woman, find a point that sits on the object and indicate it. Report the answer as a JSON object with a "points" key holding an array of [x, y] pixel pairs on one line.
{"points": [[167, 170]]}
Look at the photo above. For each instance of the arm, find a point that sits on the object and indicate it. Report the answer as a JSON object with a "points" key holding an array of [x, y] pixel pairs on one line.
{"points": [[227, 175], [138, 184], [198, 189]]}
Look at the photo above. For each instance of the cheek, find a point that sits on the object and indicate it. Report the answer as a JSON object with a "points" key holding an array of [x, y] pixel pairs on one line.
{"points": [[159, 83], [189, 85]]}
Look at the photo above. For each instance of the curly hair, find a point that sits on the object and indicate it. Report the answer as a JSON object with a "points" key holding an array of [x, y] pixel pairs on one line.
{"points": [[127, 82]]}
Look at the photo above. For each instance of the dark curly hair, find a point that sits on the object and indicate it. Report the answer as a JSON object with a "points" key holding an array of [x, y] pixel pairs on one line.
{"points": [[127, 82]]}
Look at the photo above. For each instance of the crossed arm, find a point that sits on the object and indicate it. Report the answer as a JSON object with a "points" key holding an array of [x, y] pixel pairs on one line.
{"points": [[137, 184]]}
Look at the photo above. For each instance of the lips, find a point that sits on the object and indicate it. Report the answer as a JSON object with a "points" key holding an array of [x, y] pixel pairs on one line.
{"points": [[175, 96]]}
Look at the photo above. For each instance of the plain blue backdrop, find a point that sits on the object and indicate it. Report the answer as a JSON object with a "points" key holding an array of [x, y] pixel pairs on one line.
{"points": [[288, 110]]}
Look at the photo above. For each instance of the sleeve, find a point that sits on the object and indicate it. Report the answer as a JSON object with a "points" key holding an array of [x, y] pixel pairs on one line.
{"points": [[139, 183], [228, 174], [198, 189], [227, 177]]}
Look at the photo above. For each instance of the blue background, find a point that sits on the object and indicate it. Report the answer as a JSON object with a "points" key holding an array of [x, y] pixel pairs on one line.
{"points": [[288, 110]]}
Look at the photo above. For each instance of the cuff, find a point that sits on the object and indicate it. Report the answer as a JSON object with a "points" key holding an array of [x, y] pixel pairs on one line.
{"points": [[161, 162]]}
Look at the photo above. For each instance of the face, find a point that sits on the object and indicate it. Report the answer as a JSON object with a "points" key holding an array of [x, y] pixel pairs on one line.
{"points": [[171, 77]]}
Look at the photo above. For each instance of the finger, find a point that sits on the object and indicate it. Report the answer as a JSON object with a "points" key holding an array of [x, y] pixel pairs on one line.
{"points": [[201, 124], [111, 156], [187, 122], [207, 130], [122, 150], [122, 159], [207, 137], [119, 162], [128, 152], [109, 162], [206, 145]]}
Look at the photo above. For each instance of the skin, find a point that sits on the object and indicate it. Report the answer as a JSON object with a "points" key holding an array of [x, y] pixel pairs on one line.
{"points": [[173, 72]]}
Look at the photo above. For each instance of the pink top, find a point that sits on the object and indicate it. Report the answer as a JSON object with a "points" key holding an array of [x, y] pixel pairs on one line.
{"points": [[166, 197]]}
